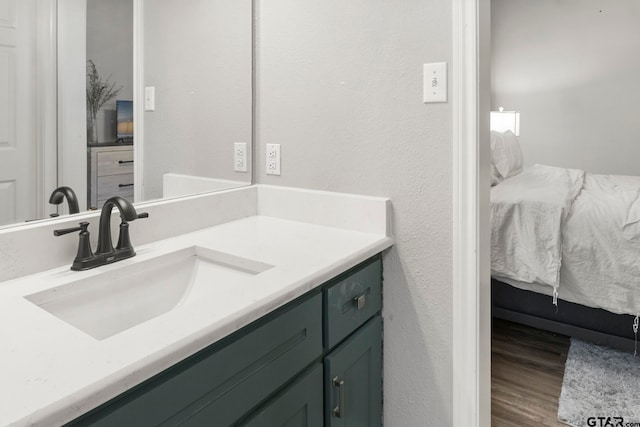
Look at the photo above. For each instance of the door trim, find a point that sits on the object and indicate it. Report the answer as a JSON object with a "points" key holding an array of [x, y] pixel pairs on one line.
{"points": [[471, 274], [47, 104], [138, 101], [72, 108]]}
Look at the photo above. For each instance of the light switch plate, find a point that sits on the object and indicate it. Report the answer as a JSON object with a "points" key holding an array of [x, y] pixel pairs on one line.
{"points": [[150, 98], [435, 82], [273, 159], [240, 157]]}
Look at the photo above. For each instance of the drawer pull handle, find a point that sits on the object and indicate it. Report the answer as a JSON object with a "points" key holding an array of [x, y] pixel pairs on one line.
{"points": [[122, 162], [125, 185], [338, 411], [360, 302]]}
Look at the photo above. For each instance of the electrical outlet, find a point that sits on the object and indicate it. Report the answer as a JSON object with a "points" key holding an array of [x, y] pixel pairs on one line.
{"points": [[273, 159], [240, 156]]}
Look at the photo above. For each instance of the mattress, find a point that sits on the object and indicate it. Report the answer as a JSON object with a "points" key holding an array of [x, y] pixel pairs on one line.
{"points": [[596, 250]]}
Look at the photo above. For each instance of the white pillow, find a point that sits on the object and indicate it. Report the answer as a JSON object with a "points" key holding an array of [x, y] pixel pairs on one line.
{"points": [[506, 156], [496, 178]]}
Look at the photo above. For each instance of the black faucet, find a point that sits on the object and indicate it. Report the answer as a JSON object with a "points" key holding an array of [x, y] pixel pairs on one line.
{"points": [[59, 195], [127, 213], [105, 252]]}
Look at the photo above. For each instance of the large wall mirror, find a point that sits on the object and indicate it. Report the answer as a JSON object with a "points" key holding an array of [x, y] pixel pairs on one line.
{"points": [[146, 99]]}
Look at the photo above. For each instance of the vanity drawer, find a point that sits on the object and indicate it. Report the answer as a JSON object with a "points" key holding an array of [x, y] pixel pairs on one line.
{"points": [[114, 162], [220, 384], [351, 301], [115, 185]]}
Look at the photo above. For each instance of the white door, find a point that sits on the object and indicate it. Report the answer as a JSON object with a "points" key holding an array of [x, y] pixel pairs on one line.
{"points": [[17, 111]]}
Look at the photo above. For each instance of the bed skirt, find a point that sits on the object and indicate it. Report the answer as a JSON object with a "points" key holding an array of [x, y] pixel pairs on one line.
{"points": [[590, 324]]}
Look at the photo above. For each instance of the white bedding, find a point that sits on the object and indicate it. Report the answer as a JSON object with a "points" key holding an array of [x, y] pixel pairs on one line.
{"points": [[527, 213], [599, 258]]}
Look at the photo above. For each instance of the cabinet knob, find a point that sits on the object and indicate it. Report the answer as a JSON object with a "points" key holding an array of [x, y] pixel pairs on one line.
{"points": [[360, 301], [338, 411]]}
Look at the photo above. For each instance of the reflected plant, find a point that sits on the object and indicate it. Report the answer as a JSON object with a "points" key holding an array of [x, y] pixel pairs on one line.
{"points": [[99, 91]]}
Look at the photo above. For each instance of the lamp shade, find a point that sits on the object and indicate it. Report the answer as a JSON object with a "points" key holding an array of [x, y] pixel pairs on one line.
{"points": [[503, 121]]}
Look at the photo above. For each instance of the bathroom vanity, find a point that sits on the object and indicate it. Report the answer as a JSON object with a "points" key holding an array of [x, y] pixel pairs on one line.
{"points": [[276, 371], [270, 315]]}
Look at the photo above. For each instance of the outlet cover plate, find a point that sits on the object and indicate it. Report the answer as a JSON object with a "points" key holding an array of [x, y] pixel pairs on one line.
{"points": [[240, 156], [273, 159]]}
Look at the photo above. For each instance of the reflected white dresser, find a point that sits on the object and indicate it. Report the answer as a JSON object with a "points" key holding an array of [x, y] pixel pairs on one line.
{"points": [[109, 173]]}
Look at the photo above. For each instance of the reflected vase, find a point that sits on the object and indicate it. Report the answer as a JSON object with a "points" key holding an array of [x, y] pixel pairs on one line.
{"points": [[92, 128]]}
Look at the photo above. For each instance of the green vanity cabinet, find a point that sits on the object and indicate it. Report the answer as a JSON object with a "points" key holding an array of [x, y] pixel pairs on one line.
{"points": [[351, 300], [353, 382], [299, 405], [314, 362], [221, 383]]}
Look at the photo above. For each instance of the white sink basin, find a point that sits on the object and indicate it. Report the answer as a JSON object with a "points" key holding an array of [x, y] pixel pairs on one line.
{"points": [[114, 301]]}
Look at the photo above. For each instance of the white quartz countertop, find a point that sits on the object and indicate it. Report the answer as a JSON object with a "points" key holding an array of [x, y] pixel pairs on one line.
{"points": [[53, 372]]}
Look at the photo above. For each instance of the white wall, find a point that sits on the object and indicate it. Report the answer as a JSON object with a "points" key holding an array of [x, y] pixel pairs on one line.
{"points": [[198, 56], [340, 88], [110, 47], [571, 67], [72, 98]]}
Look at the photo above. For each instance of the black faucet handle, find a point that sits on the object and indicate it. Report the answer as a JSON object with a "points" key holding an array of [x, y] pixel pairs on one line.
{"points": [[138, 216], [124, 241], [83, 228], [84, 254]]}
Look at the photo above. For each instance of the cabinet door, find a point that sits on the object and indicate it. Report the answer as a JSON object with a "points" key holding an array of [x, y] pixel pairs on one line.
{"points": [[299, 405], [353, 379]]}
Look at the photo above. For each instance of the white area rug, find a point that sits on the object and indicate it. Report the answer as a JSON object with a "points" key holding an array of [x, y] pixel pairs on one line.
{"points": [[599, 382]]}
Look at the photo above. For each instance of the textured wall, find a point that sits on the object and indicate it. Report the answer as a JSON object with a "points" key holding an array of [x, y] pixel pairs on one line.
{"points": [[571, 68], [198, 57], [340, 88]]}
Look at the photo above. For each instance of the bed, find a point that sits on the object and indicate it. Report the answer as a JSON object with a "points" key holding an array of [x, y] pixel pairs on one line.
{"points": [[565, 251]]}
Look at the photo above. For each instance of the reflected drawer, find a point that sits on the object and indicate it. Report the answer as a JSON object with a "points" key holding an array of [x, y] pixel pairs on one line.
{"points": [[115, 185], [114, 162], [351, 301]]}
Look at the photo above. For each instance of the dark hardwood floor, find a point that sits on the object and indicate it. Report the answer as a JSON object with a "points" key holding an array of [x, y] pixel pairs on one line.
{"points": [[527, 366]]}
